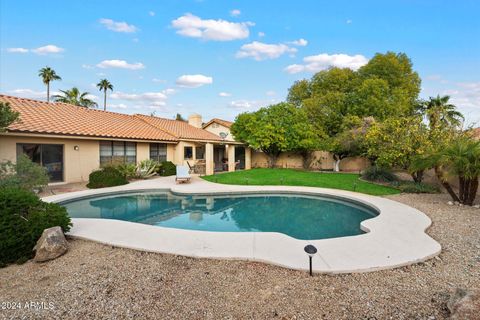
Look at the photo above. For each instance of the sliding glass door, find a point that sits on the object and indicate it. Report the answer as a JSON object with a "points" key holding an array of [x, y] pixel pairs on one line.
{"points": [[49, 156]]}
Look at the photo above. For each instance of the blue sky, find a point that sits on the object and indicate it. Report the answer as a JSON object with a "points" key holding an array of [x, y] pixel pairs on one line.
{"points": [[219, 58]]}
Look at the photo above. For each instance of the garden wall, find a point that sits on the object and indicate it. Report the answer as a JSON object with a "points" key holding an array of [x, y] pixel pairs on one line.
{"points": [[323, 161]]}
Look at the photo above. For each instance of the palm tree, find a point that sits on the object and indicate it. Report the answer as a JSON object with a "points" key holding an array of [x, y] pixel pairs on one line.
{"points": [[48, 74], [104, 85], [75, 97], [440, 113]]}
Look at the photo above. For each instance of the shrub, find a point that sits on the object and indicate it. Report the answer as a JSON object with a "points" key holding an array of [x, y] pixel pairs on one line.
{"points": [[415, 187], [146, 168], [24, 174], [129, 170], [167, 168], [23, 217], [379, 174], [106, 177]]}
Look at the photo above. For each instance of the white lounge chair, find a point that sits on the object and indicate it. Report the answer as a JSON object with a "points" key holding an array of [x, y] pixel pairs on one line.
{"points": [[182, 174]]}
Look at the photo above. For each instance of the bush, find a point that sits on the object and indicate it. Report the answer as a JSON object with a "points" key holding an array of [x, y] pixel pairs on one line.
{"points": [[23, 217], [106, 177], [378, 174], [167, 168], [24, 174], [146, 168], [415, 187], [129, 170]]}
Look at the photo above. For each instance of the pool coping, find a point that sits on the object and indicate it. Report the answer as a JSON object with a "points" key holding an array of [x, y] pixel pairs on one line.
{"points": [[396, 237]]}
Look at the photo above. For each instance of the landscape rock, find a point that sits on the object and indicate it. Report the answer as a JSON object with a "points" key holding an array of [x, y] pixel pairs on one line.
{"points": [[52, 244], [464, 305]]}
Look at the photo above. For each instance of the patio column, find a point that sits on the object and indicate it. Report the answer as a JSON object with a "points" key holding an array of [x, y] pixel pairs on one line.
{"points": [[248, 158], [231, 158], [209, 162]]}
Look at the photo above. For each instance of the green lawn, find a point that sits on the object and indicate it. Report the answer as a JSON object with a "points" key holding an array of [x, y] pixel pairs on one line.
{"points": [[291, 177]]}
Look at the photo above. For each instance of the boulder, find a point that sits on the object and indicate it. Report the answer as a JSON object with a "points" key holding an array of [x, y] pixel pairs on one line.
{"points": [[52, 244], [464, 305]]}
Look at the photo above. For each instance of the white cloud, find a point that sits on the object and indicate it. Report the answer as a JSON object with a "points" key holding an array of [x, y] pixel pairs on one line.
{"points": [[17, 50], [87, 66], [151, 13], [192, 26], [118, 26], [235, 13], [300, 42], [224, 94], [117, 106], [261, 51], [48, 49], [193, 80], [153, 100], [159, 80], [32, 94], [270, 93], [121, 64], [324, 61], [349, 21], [249, 105], [261, 34]]}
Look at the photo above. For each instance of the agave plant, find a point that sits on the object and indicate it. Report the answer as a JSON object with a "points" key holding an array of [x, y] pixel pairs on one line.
{"points": [[146, 169]]}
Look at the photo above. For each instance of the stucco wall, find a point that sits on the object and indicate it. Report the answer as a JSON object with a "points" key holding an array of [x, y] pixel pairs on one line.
{"points": [[77, 163], [323, 161], [216, 128]]}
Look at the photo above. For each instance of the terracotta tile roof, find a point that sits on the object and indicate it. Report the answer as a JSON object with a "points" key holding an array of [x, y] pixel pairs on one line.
{"points": [[180, 129], [224, 123], [65, 119]]}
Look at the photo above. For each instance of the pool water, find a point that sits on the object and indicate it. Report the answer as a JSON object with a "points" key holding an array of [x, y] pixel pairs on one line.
{"points": [[298, 216]]}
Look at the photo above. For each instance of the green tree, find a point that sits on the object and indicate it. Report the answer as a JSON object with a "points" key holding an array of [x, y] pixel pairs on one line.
{"points": [[440, 113], [104, 85], [275, 129], [396, 142], [403, 82], [75, 97], [179, 117], [7, 116], [48, 74]]}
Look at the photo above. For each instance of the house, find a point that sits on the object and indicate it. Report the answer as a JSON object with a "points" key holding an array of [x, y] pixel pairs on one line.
{"points": [[72, 141]]}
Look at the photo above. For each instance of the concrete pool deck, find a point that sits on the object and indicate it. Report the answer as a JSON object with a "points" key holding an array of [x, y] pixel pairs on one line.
{"points": [[394, 238]]}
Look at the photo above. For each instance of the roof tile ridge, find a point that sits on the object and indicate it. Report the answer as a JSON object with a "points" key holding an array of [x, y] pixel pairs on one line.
{"points": [[137, 116]]}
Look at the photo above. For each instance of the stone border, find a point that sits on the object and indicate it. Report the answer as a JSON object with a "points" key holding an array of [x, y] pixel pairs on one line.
{"points": [[394, 238]]}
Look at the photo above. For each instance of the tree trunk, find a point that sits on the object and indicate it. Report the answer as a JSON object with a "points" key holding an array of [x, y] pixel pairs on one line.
{"points": [[471, 192], [308, 158], [105, 100], [336, 164], [417, 176], [48, 91], [272, 160], [445, 184]]}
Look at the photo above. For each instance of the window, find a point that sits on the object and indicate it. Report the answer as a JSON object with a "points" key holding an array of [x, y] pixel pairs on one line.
{"points": [[117, 152], [158, 151], [200, 152], [188, 153], [50, 156]]}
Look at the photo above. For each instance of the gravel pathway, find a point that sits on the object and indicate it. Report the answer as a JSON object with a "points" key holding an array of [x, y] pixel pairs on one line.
{"points": [[94, 281]]}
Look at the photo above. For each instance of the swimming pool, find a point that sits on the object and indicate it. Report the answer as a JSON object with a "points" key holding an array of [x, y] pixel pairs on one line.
{"points": [[299, 216]]}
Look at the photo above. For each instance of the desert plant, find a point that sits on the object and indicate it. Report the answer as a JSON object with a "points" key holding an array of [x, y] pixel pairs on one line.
{"points": [[24, 174], [379, 174], [23, 217], [167, 168], [106, 177], [415, 187], [129, 170], [146, 168]]}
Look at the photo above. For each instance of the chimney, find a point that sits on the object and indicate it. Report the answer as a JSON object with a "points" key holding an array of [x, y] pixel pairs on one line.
{"points": [[195, 120]]}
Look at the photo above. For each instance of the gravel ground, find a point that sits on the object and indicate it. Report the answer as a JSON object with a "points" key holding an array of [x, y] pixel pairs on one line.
{"points": [[94, 281]]}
